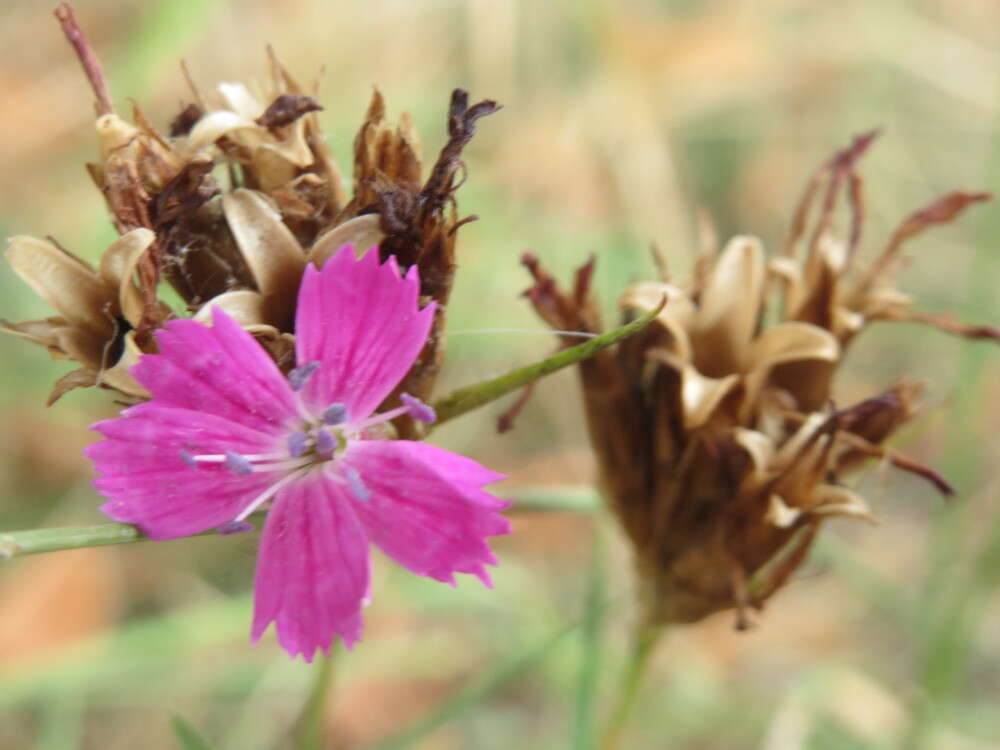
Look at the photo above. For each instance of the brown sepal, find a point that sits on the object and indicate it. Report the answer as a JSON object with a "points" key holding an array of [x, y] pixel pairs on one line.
{"points": [[576, 311], [947, 323], [941, 210], [286, 109], [185, 120], [836, 169], [83, 377]]}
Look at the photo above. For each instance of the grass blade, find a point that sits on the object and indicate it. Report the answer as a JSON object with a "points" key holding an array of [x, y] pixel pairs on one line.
{"points": [[310, 729], [468, 698], [187, 735], [591, 646]]}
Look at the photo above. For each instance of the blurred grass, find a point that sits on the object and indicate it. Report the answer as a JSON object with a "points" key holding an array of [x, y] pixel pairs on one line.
{"points": [[620, 119]]}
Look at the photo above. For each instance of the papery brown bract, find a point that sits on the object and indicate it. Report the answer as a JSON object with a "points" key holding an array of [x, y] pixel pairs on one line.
{"points": [[719, 445], [98, 309]]}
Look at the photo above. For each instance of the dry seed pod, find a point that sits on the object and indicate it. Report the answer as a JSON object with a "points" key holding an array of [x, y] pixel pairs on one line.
{"points": [[242, 245], [274, 142], [718, 447]]}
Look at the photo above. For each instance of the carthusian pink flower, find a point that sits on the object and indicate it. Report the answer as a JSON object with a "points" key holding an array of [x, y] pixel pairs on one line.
{"points": [[227, 433]]}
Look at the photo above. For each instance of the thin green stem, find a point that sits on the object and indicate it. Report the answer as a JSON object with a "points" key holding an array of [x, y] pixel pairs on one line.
{"points": [[33, 541], [310, 733], [643, 645], [591, 647], [472, 397], [554, 499]]}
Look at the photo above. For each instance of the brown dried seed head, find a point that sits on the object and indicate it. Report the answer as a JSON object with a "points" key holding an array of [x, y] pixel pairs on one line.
{"points": [[718, 443]]}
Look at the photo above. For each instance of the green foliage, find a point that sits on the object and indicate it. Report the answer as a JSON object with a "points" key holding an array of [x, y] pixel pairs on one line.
{"points": [[188, 736]]}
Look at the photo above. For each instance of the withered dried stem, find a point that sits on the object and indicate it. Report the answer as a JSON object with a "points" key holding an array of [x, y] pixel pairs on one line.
{"points": [[88, 58]]}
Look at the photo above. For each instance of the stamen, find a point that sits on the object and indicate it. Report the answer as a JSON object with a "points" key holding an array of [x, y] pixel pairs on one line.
{"points": [[297, 444], [235, 527], [326, 443], [417, 408], [356, 485], [385, 416], [243, 463], [238, 464], [335, 414], [298, 377], [188, 458]]}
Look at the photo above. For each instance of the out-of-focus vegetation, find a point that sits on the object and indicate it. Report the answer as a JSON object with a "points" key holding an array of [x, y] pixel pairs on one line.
{"points": [[621, 120]]}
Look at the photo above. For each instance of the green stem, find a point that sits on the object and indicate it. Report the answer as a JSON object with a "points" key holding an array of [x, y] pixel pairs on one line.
{"points": [[591, 647], [310, 731], [33, 541], [643, 645], [30, 542], [472, 397]]}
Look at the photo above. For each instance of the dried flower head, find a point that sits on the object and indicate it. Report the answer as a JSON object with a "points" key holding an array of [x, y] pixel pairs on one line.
{"points": [[235, 199], [719, 446]]}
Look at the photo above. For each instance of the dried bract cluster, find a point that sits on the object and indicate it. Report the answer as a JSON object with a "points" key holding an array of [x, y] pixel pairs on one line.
{"points": [[719, 446], [228, 207]]}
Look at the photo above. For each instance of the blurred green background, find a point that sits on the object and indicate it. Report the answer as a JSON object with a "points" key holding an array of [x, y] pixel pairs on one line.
{"points": [[620, 121]]}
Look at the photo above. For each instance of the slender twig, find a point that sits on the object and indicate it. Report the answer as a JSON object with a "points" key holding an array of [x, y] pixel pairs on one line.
{"points": [[643, 645], [466, 399], [88, 58]]}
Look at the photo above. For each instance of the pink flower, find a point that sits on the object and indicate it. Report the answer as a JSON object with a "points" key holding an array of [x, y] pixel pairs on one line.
{"points": [[226, 433]]}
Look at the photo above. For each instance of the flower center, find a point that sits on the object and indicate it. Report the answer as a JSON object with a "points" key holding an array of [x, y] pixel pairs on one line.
{"points": [[315, 445]]}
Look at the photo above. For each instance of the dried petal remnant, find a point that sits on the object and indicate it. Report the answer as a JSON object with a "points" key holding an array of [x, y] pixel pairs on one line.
{"points": [[98, 309]]}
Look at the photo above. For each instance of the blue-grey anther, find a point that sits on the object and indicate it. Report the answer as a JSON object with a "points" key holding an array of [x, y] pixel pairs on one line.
{"points": [[357, 487], [235, 527], [335, 414], [188, 458], [297, 444], [417, 408], [238, 464], [298, 377], [326, 443]]}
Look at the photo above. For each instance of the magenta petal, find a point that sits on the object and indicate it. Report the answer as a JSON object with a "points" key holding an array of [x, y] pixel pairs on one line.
{"points": [[426, 510], [312, 569], [361, 320], [147, 481], [218, 369]]}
